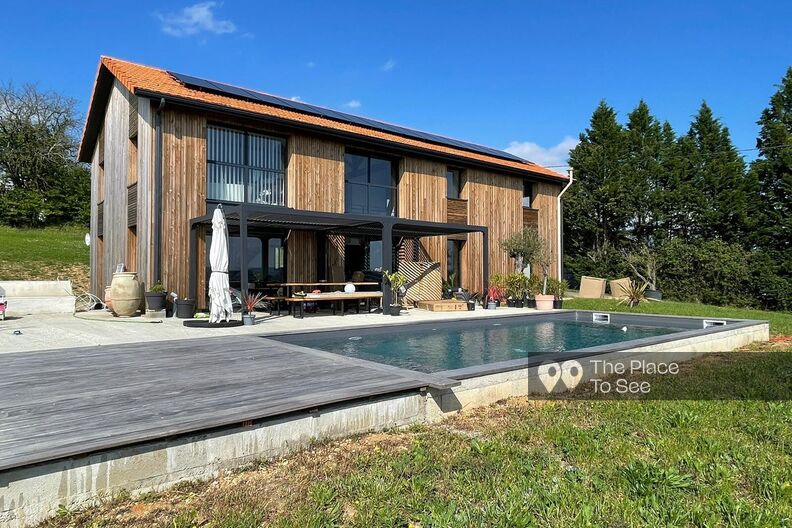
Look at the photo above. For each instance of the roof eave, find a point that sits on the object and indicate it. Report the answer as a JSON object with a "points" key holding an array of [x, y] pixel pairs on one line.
{"points": [[526, 171], [96, 111]]}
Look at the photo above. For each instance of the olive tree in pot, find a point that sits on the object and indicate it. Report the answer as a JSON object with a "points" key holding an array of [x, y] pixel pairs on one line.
{"points": [[249, 304], [155, 297], [544, 258], [523, 246], [396, 280], [643, 263]]}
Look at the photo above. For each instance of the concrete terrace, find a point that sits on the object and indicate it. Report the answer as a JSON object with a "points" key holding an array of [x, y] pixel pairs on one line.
{"points": [[97, 328]]}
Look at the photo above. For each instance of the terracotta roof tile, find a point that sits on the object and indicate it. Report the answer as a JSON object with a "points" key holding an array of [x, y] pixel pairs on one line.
{"points": [[137, 77]]}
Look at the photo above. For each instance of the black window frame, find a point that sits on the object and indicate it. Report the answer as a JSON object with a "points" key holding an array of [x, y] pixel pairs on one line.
{"points": [[457, 173], [530, 187], [394, 163], [245, 166], [456, 253]]}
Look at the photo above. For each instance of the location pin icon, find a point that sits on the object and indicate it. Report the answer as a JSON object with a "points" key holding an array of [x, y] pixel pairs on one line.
{"points": [[549, 374], [571, 373]]}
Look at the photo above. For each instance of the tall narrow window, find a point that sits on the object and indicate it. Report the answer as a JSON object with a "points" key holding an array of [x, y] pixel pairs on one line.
{"points": [[369, 185], [454, 261], [244, 167], [453, 183], [528, 194]]}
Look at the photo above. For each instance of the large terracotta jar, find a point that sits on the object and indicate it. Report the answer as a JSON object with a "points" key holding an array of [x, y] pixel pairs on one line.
{"points": [[108, 300], [126, 293]]}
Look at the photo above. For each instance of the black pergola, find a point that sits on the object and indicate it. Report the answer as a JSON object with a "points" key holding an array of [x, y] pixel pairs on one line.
{"points": [[272, 216]]}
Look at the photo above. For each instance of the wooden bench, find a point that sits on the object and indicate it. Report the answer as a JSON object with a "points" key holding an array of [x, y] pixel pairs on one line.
{"points": [[335, 299]]}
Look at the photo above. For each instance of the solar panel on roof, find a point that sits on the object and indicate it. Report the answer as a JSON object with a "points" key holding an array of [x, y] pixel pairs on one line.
{"points": [[282, 102]]}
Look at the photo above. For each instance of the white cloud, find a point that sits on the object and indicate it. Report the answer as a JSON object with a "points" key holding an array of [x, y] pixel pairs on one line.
{"points": [[296, 98], [388, 66], [547, 157], [354, 103], [195, 19]]}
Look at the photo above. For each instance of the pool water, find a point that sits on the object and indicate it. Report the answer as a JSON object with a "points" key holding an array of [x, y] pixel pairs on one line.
{"points": [[427, 349]]}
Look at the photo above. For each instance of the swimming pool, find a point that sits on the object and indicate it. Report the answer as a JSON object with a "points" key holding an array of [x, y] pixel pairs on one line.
{"points": [[470, 347], [448, 346]]}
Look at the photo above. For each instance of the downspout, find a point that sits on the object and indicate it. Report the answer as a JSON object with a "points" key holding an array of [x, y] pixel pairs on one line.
{"points": [[158, 193], [561, 224]]}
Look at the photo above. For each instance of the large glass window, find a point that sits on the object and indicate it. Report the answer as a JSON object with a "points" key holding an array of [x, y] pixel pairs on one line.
{"points": [[369, 185], [453, 183], [244, 167], [266, 260], [454, 261]]}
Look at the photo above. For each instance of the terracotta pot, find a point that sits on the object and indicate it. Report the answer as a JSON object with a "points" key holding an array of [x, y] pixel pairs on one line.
{"points": [[544, 302], [126, 293], [108, 299]]}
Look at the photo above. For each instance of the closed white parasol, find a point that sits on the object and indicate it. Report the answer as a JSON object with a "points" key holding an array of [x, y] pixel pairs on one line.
{"points": [[219, 297]]}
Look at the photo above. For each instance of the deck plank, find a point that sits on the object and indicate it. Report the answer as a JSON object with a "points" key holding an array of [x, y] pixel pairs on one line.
{"points": [[63, 403]]}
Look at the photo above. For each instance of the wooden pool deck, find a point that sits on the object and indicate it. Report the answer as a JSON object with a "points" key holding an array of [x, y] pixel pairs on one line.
{"points": [[62, 403]]}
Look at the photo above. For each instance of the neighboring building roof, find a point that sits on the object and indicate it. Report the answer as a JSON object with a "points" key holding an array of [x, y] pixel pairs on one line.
{"points": [[150, 81]]}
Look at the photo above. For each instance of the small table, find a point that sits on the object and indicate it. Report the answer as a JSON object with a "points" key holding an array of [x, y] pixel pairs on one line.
{"points": [[333, 298]]}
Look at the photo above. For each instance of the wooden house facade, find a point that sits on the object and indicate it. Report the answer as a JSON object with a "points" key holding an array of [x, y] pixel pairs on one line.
{"points": [[165, 148]]}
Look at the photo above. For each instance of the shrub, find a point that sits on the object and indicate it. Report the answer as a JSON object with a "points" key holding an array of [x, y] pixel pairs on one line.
{"points": [[708, 271], [606, 262]]}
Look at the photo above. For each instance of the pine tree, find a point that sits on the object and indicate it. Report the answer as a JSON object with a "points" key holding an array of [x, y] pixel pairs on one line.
{"points": [[773, 171], [644, 172], [713, 180], [594, 211], [772, 204]]}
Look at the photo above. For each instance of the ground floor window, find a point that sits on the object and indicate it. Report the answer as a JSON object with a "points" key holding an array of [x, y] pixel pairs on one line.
{"points": [[362, 254], [454, 262], [266, 260]]}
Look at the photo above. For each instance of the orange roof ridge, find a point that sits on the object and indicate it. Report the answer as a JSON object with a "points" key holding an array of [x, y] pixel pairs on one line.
{"points": [[137, 77]]}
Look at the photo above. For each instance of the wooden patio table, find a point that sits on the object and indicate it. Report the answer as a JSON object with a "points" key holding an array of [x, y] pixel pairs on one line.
{"points": [[290, 285], [339, 298]]}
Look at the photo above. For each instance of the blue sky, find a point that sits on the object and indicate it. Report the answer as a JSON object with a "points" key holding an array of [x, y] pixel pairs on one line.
{"points": [[525, 74]]}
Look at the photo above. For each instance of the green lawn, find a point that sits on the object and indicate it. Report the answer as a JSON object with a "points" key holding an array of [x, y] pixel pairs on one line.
{"points": [[44, 254], [521, 463], [780, 322]]}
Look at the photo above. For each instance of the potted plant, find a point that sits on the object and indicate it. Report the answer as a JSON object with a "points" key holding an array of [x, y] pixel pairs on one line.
{"points": [[533, 286], [558, 288], [249, 303], [396, 281], [633, 294], [523, 247], [448, 286], [155, 297], [185, 308], [499, 281], [516, 286], [469, 300], [643, 263], [493, 296], [544, 258]]}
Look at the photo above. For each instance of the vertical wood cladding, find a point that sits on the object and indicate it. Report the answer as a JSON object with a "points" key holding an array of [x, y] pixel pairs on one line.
{"points": [[145, 185], [422, 196], [314, 181], [109, 174], [494, 201], [183, 196], [546, 202]]}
